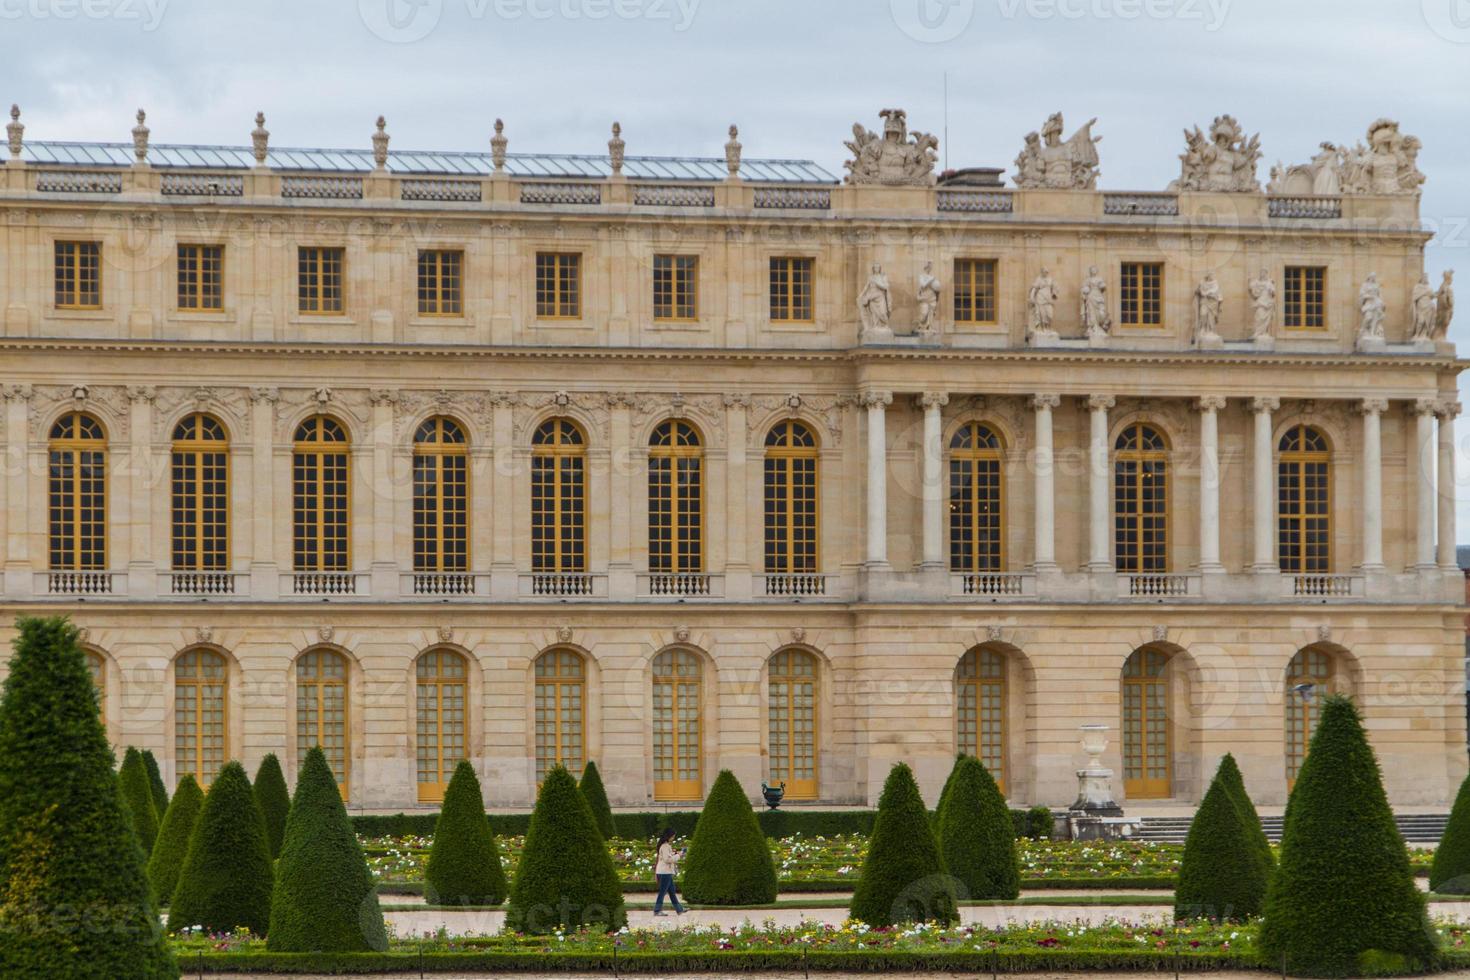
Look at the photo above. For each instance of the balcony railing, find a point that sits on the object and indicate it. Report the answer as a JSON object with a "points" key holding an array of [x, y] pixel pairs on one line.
{"points": [[1305, 206], [79, 182], [561, 193], [324, 585], [1016, 585], [203, 584], [796, 585], [322, 188], [80, 583], [792, 198], [1154, 204], [202, 185], [977, 202], [564, 585], [1158, 586], [1324, 586], [674, 196], [444, 585], [440, 190], [681, 585]]}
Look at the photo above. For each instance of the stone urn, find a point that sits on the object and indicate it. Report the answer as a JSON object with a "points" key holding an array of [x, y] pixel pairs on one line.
{"points": [[1094, 780], [773, 794]]}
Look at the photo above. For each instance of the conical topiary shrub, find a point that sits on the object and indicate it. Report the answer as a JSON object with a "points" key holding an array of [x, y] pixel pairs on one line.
{"points": [[172, 846], [1343, 901], [324, 899], [1229, 774], [138, 795], [1450, 872], [156, 786], [65, 838], [596, 796], [729, 860], [464, 861], [566, 877], [225, 883], [977, 839], [944, 793], [274, 801], [1222, 874], [903, 877]]}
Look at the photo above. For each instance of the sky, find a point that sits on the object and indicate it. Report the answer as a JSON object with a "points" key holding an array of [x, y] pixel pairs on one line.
{"points": [[793, 74]]}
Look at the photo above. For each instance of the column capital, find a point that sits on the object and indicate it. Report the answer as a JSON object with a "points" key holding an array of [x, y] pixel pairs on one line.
{"points": [[1047, 401], [1211, 403], [1448, 409], [16, 392], [1373, 406], [876, 399], [1265, 404], [1100, 403], [932, 399], [265, 395], [1426, 406]]}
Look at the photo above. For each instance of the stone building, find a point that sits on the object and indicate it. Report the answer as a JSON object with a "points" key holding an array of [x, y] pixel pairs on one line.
{"points": [[689, 464]]}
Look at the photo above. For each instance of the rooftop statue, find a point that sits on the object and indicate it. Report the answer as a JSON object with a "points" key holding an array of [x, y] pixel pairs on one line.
{"points": [[895, 158], [1047, 161], [1222, 161], [1444, 306], [1386, 164]]}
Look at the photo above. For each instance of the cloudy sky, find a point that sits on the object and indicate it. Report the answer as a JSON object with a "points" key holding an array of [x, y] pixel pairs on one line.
{"points": [[794, 74]]}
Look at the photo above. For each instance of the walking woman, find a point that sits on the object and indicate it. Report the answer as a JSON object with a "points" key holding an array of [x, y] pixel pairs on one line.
{"points": [[665, 864]]}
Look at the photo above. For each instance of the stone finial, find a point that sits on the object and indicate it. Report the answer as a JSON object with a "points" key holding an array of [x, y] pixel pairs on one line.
{"points": [[497, 146], [732, 153], [615, 149], [380, 145], [15, 130], [140, 139], [260, 139]]}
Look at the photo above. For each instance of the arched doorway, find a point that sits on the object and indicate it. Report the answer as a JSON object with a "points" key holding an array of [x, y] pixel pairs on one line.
{"points": [[677, 726], [1148, 771], [791, 715]]}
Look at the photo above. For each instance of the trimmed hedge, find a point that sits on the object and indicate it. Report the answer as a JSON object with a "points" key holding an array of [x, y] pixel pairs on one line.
{"points": [[566, 878], [1229, 772], [596, 796], [1221, 873], [324, 900], [1343, 900], [729, 860], [155, 785], [137, 794], [66, 843], [903, 877], [226, 879], [976, 838], [464, 862], [397, 886], [172, 846], [274, 801], [1450, 872]]}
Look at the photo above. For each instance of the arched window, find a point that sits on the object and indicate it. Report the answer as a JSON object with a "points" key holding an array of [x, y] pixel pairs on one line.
{"points": [[77, 494], [675, 499], [561, 718], [321, 710], [442, 684], [980, 709], [319, 496], [1141, 500], [976, 501], [677, 704], [1147, 769], [201, 685], [97, 667], [200, 498], [1303, 502], [1310, 677], [791, 707], [440, 497], [791, 509], [559, 497]]}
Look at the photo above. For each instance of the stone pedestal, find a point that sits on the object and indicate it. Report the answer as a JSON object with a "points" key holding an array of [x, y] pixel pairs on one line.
{"points": [[1263, 342], [1044, 338], [1210, 341], [1096, 815], [1371, 345]]}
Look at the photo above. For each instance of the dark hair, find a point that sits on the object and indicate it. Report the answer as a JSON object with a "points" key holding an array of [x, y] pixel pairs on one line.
{"points": [[664, 838]]}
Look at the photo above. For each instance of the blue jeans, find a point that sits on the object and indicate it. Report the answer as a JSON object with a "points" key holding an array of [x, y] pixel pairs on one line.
{"points": [[666, 887]]}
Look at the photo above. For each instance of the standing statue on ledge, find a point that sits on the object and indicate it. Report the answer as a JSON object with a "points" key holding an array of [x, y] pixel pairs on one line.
{"points": [[1423, 302], [928, 297], [1069, 165], [874, 304], [1208, 301], [1095, 319], [1444, 307], [1041, 304], [1263, 304], [1371, 310]]}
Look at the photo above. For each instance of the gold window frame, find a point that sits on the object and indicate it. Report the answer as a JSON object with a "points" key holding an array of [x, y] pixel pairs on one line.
{"points": [[789, 444], [1303, 298], [77, 493], [189, 525], [1141, 295], [440, 281], [675, 446], [441, 462], [559, 726], [560, 445], [980, 680], [1148, 710], [1296, 468], [313, 451], [442, 683], [793, 697], [558, 292], [196, 672], [788, 302], [200, 275], [321, 280], [1147, 464], [985, 449], [976, 291], [315, 686], [675, 288], [76, 266]]}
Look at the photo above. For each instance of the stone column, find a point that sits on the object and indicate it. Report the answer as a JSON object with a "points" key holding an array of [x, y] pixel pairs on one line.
{"points": [[1265, 488], [385, 507], [1046, 553], [503, 502], [737, 502], [1372, 408], [1448, 409], [1099, 523], [264, 572], [621, 580], [18, 527], [1424, 552], [138, 512], [877, 402], [932, 402], [1209, 483]]}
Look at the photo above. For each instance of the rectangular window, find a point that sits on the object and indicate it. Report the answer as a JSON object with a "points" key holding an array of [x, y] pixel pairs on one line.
{"points": [[974, 290], [319, 280], [1141, 294], [78, 275], [201, 278], [791, 289], [441, 277], [558, 285], [1305, 296], [675, 287]]}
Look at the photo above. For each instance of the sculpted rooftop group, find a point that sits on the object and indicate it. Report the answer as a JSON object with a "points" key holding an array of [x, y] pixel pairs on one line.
{"points": [[1222, 160]]}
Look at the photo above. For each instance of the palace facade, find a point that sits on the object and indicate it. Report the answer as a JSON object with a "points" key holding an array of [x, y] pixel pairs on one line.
{"points": [[688, 464]]}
